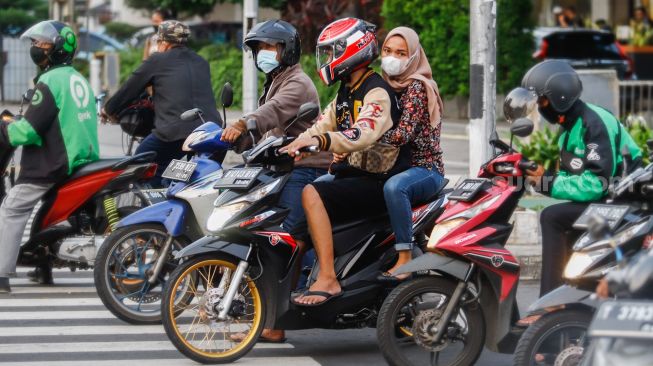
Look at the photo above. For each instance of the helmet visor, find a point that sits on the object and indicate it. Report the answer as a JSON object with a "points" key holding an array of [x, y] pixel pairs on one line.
{"points": [[253, 44], [519, 103], [43, 32], [324, 55]]}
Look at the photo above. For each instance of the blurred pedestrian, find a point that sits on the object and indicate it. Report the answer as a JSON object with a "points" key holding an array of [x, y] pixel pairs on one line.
{"points": [[640, 28], [158, 16], [181, 80], [572, 18], [559, 17]]}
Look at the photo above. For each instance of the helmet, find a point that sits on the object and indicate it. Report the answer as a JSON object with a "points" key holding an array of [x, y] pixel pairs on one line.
{"points": [[344, 46], [274, 32], [557, 81], [59, 35]]}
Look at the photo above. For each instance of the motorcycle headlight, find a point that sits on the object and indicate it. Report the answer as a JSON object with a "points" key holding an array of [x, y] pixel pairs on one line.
{"points": [[195, 137], [442, 229], [222, 214], [580, 261]]}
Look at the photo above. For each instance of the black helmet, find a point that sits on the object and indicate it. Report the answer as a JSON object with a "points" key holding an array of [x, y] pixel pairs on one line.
{"points": [[58, 34], [273, 32], [557, 81]]}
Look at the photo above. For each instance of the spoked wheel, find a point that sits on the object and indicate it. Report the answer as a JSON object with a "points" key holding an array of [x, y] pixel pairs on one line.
{"points": [[123, 267], [194, 326], [558, 338], [417, 305]]}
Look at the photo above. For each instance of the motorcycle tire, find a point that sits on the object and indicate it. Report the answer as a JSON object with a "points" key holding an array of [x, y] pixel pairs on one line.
{"points": [[173, 318], [537, 332], [387, 321], [103, 276]]}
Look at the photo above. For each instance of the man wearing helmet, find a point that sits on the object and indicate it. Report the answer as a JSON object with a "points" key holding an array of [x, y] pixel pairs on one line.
{"points": [[276, 48], [591, 144], [181, 80], [364, 109], [58, 133]]}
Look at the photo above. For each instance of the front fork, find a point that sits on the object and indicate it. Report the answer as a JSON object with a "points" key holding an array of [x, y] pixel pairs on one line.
{"points": [[234, 285], [453, 304]]}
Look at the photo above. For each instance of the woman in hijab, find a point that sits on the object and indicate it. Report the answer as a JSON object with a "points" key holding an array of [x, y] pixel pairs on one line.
{"points": [[405, 67]]}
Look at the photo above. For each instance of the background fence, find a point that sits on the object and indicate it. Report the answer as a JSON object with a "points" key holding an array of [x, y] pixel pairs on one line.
{"points": [[18, 71], [636, 99]]}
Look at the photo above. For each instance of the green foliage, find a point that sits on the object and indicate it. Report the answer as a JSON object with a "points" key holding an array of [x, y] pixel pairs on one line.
{"points": [[130, 59], [186, 7], [18, 15], [542, 148], [443, 27], [82, 66], [325, 93], [120, 31], [641, 133]]}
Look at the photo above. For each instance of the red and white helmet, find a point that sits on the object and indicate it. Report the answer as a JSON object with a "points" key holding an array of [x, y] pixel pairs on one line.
{"points": [[344, 46]]}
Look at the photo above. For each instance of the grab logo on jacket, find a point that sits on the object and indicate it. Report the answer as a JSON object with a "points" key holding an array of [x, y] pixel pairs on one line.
{"points": [[593, 154], [79, 91]]}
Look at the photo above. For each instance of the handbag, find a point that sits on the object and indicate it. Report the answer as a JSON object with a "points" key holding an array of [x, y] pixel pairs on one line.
{"points": [[379, 158]]}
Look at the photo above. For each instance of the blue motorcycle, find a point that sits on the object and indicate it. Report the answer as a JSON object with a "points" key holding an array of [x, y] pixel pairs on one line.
{"points": [[133, 263]]}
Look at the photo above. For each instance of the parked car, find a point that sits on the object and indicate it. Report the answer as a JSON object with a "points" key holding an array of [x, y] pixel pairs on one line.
{"points": [[91, 42], [584, 49]]}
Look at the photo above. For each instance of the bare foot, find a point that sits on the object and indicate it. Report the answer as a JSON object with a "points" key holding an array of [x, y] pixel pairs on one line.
{"points": [[268, 335], [405, 256], [331, 287]]}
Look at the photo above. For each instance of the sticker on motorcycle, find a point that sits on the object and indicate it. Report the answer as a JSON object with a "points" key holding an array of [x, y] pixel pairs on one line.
{"points": [[274, 239], [497, 260]]}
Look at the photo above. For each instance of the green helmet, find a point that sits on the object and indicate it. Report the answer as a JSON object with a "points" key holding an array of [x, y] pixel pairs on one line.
{"points": [[60, 35]]}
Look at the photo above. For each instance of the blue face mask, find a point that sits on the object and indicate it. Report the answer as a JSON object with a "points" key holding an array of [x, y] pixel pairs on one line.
{"points": [[267, 60]]}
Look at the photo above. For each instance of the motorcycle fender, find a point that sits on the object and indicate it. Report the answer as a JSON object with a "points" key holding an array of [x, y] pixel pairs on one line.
{"points": [[431, 261], [563, 295], [171, 214], [209, 244]]}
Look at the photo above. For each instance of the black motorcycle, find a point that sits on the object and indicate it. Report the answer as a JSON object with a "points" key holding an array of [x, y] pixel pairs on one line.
{"points": [[239, 279], [558, 337]]}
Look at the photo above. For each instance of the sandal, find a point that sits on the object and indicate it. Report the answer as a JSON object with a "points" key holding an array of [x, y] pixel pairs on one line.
{"points": [[327, 297]]}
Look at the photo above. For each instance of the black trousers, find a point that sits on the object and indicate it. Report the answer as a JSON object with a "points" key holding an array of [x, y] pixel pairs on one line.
{"points": [[558, 237]]}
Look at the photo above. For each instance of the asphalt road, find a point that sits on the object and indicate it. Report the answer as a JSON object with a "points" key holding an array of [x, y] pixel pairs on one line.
{"points": [[66, 324]]}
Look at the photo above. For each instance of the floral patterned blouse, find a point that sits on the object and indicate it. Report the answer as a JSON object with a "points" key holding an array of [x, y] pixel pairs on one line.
{"points": [[415, 128]]}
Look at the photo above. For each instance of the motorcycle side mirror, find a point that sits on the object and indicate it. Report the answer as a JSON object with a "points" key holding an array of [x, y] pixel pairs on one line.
{"points": [[28, 95], [191, 114], [251, 127], [227, 95], [522, 127], [308, 112], [597, 227]]}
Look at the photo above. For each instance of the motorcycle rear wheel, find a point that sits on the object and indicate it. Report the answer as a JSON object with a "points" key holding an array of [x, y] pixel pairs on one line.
{"points": [[402, 309], [193, 326]]}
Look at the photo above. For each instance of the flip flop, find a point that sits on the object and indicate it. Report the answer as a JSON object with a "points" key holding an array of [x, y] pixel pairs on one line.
{"points": [[390, 278], [327, 297]]}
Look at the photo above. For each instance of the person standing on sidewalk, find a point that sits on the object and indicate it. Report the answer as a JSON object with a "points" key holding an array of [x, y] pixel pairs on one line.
{"points": [[181, 80], [591, 144], [58, 133], [406, 69]]}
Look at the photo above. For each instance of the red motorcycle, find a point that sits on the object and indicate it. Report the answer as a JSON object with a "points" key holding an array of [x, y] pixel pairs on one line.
{"points": [[462, 295], [73, 217]]}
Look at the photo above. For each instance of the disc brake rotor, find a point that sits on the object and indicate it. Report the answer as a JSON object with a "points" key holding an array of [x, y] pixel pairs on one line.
{"points": [[570, 356], [425, 328]]}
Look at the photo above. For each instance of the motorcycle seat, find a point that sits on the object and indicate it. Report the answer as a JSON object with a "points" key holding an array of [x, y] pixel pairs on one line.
{"points": [[111, 164]]}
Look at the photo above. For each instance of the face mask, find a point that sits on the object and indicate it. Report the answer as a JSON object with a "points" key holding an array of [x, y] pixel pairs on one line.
{"points": [[38, 55], [549, 114], [267, 61], [156, 28]]}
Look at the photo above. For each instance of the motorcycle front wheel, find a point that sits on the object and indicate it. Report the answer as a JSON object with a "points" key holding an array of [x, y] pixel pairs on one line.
{"points": [[194, 327], [417, 305]]}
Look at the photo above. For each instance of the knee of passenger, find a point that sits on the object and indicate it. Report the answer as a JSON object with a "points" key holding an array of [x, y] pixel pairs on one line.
{"points": [[391, 188]]}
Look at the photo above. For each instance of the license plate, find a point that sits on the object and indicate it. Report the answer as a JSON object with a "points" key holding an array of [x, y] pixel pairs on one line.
{"points": [[179, 170], [467, 189], [628, 319], [611, 213], [240, 178]]}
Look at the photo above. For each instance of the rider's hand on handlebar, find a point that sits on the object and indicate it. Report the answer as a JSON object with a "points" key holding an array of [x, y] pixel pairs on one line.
{"points": [[533, 176], [293, 148], [233, 132], [106, 118]]}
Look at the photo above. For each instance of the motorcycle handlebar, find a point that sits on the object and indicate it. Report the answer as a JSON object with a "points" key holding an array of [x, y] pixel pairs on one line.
{"points": [[527, 165]]}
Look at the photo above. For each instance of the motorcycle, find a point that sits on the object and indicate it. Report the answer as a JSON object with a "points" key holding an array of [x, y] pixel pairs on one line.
{"points": [[74, 215], [134, 261], [559, 335], [239, 278], [620, 332], [462, 294]]}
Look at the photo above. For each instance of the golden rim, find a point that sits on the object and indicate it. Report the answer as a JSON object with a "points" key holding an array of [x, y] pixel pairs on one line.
{"points": [[256, 304]]}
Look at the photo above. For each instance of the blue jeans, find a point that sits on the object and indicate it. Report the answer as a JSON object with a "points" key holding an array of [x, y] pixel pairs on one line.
{"points": [[403, 190], [291, 197], [165, 152]]}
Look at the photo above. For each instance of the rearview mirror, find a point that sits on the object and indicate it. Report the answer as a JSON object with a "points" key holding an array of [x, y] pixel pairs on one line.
{"points": [[191, 114], [227, 95], [28, 95], [597, 227], [308, 112], [522, 127]]}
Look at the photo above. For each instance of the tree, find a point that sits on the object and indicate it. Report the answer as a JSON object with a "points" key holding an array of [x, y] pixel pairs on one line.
{"points": [[443, 27], [18, 15]]}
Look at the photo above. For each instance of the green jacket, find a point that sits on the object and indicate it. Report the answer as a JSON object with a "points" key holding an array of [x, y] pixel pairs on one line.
{"points": [[591, 146], [59, 128]]}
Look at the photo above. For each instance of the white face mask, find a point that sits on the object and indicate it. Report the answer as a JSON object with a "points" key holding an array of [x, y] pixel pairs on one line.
{"points": [[392, 65]]}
